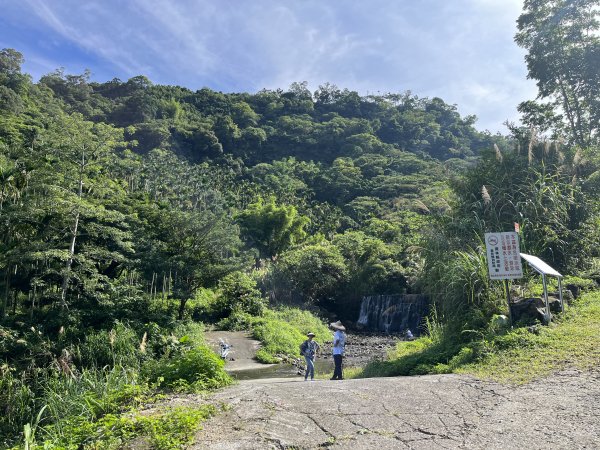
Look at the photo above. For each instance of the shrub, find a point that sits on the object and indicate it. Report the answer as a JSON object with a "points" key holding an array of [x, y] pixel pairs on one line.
{"points": [[16, 403], [278, 337], [282, 331], [237, 292], [464, 356], [167, 430], [237, 321], [199, 369], [118, 347], [302, 320], [584, 284]]}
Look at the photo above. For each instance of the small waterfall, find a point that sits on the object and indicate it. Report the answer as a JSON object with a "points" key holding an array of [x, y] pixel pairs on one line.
{"points": [[393, 313]]}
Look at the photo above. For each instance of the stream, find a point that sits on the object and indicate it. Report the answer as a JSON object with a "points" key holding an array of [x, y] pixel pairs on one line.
{"points": [[360, 349]]}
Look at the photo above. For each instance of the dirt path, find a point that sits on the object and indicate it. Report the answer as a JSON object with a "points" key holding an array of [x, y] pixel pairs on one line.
{"points": [[243, 350], [428, 412]]}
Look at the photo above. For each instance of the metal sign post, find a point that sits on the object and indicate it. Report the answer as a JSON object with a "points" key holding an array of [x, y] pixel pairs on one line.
{"points": [[504, 260], [507, 288], [545, 284], [560, 297]]}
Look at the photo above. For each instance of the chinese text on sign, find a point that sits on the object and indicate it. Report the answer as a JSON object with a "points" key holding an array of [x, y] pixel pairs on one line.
{"points": [[504, 260]]}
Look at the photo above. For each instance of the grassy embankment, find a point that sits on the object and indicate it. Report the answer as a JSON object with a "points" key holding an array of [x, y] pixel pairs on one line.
{"points": [[280, 331], [517, 355]]}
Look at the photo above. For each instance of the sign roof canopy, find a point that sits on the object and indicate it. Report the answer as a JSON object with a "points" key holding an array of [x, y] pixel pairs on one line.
{"points": [[540, 266]]}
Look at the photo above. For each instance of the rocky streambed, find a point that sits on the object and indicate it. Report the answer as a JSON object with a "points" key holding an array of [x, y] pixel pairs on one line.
{"points": [[364, 347], [360, 349]]}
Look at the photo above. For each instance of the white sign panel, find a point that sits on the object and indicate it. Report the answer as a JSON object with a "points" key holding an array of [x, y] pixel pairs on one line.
{"points": [[504, 259]]}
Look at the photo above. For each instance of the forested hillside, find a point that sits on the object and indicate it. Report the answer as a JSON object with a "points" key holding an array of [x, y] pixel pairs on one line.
{"points": [[113, 192]]}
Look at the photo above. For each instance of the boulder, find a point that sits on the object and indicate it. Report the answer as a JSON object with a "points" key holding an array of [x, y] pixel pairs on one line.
{"points": [[568, 296], [532, 309], [500, 321], [574, 289]]}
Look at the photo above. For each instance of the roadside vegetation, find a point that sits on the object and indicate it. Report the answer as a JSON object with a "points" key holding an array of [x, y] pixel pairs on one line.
{"points": [[95, 394], [506, 354]]}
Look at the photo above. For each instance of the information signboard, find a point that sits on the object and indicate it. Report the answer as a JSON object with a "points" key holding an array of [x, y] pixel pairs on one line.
{"points": [[504, 259]]}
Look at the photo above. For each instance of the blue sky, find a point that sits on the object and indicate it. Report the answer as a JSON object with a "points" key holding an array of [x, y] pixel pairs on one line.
{"points": [[459, 50]]}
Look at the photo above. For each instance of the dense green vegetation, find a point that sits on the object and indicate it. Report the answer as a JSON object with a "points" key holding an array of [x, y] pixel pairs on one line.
{"points": [[130, 213], [129, 190], [90, 394]]}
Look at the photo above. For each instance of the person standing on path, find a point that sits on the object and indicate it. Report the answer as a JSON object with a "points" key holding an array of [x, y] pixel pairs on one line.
{"points": [[339, 342], [309, 349]]}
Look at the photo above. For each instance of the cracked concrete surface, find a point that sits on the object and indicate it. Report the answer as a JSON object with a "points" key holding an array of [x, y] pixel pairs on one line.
{"points": [[427, 412]]}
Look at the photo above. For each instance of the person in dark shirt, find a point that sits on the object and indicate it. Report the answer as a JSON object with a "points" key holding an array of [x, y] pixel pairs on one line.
{"points": [[309, 349]]}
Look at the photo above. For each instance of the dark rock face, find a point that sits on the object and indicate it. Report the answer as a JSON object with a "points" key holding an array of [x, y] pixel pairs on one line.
{"points": [[393, 313], [568, 296], [529, 310], [573, 289]]}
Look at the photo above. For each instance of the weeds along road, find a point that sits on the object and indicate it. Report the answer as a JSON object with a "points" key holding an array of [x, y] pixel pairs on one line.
{"points": [[425, 412]]}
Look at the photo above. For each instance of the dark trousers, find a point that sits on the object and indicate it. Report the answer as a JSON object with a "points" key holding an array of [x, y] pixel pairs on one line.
{"points": [[337, 371]]}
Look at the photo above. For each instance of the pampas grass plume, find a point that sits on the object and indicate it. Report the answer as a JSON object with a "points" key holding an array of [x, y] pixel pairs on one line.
{"points": [[485, 195], [143, 343], [499, 156]]}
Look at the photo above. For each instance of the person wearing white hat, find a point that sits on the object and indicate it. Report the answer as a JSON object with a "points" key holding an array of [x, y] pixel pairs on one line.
{"points": [[339, 342], [309, 349]]}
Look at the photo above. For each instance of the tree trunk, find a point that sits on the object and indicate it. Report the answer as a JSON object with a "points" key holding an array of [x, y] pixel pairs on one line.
{"points": [[181, 312], [14, 303], [67, 275], [6, 292], [33, 299], [65, 284], [152, 286], [571, 111]]}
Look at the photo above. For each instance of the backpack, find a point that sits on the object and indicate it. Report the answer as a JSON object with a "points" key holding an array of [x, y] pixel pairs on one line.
{"points": [[303, 347]]}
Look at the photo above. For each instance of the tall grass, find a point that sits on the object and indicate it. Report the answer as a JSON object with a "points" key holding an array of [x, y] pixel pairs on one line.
{"points": [[119, 346], [196, 369], [516, 355], [17, 402], [104, 376], [51, 401], [95, 393], [524, 354], [459, 285]]}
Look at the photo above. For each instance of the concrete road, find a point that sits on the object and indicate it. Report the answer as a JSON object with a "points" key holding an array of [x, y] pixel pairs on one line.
{"points": [[426, 412]]}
